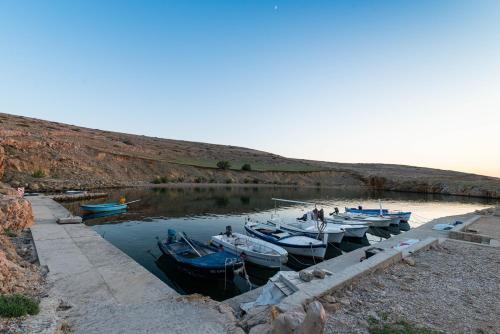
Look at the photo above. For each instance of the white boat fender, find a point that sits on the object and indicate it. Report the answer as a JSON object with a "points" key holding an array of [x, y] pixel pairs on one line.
{"points": [[405, 243], [443, 227]]}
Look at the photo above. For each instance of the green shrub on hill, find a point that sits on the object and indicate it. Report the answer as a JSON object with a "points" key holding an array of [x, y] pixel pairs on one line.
{"points": [[246, 167], [223, 164]]}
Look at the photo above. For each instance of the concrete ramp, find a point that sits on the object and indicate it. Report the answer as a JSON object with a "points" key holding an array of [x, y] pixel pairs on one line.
{"points": [[107, 290]]}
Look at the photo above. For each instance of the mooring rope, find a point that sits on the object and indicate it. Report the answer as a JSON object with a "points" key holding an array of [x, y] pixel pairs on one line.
{"points": [[302, 263], [312, 252], [331, 244]]}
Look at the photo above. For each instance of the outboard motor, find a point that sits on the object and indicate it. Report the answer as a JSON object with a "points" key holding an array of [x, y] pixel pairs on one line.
{"points": [[229, 230], [360, 207], [303, 218], [336, 210], [172, 234], [321, 215]]}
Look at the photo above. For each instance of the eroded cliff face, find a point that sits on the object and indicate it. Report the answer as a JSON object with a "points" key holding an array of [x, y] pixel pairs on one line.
{"points": [[2, 160], [15, 213], [16, 274]]}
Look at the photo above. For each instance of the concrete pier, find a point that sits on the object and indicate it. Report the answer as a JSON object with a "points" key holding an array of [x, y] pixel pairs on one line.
{"points": [[108, 291]]}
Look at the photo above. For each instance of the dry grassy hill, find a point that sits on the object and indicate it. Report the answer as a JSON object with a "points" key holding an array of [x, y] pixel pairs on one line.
{"points": [[44, 155]]}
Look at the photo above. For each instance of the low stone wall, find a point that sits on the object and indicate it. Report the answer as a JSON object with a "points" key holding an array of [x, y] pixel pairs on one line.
{"points": [[77, 197], [471, 237]]}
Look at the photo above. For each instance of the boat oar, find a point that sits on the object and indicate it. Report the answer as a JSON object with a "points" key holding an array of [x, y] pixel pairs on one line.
{"points": [[137, 200], [186, 240]]}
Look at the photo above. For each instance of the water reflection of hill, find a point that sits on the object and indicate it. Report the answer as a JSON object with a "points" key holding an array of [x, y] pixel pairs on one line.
{"points": [[205, 200]]}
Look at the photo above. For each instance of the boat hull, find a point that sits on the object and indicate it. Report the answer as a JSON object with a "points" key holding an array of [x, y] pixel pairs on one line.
{"points": [[317, 251], [215, 272], [351, 218], [355, 232], [332, 237], [399, 216], [96, 208], [269, 261]]}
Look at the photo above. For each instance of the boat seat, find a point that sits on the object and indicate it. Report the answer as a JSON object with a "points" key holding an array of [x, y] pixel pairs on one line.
{"points": [[265, 230], [281, 235]]}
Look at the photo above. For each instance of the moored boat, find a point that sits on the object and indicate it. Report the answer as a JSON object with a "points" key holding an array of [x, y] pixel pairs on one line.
{"points": [[311, 220], [250, 249], [312, 229], [105, 207], [198, 259], [401, 215], [293, 243], [358, 219]]}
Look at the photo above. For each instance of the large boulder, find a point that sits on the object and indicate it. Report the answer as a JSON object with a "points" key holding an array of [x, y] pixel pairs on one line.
{"points": [[297, 322], [15, 213]]}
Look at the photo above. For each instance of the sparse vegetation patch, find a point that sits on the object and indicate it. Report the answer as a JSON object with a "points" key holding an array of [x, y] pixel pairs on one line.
{"points": [[397, 327], [38, 174], [17, 305], [160, 179], [8, 232]]}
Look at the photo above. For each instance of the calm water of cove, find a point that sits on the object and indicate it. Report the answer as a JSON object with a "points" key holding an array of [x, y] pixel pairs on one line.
{"points": [[204, 211]]}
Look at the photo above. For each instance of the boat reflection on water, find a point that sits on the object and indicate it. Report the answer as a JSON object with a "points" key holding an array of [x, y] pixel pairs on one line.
{"points": [[259, 275], [349, 244], [379, 232], [404, 226], [392, 229], [91, 216], [219, 290], [186, 284], [386, 232]]}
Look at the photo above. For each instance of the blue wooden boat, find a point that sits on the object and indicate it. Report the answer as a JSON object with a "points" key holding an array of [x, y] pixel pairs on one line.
{"points": [[106, 207], [197, 259], [403, 215]]}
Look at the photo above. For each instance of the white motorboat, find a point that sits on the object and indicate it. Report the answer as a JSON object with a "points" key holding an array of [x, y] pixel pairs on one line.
{"points": [[312, 229], [353, 231], [291, 242], [250, 249], [350, 230], [357, 219]]}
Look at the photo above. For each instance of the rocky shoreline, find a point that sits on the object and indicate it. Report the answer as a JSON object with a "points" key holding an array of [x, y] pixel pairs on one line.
{"points": [[451, 288]]}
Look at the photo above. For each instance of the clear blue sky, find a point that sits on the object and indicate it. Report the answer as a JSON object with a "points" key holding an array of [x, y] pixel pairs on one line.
{"points": [[410, 82]]}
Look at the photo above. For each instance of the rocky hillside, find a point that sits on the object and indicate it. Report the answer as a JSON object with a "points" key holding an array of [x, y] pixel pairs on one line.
{"points": [[42, 155]]}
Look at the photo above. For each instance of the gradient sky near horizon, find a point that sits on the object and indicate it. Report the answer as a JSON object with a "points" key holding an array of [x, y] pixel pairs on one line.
{"points": [[406, 82]]}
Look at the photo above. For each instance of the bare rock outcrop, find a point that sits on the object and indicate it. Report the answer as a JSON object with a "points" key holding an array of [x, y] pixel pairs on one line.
{"points": [[16, 275], [15, 213], [2, 161]]}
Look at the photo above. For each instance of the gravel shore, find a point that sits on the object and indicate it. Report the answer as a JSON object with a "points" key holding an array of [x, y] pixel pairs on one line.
{"points": [[452, 288]]}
